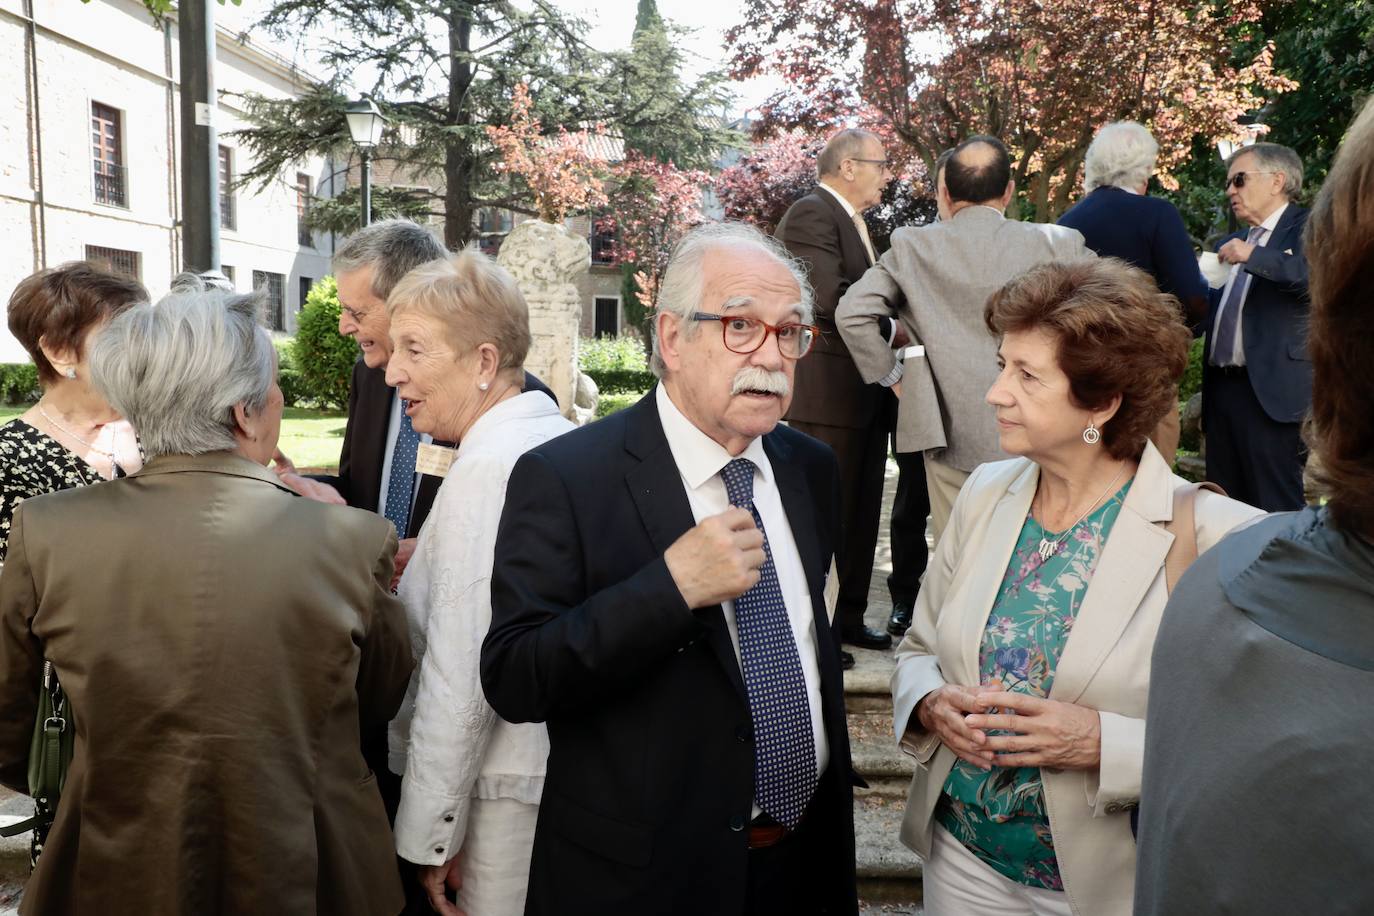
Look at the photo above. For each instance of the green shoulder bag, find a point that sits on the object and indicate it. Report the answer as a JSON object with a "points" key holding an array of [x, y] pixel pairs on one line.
{"points": [[50, 754]]}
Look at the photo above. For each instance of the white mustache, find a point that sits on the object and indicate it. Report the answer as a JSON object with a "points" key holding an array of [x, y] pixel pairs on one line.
{"points": [[753, 378]]}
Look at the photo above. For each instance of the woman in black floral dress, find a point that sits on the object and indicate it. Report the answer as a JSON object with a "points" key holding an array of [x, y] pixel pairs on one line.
{"points": [[71, 437]]}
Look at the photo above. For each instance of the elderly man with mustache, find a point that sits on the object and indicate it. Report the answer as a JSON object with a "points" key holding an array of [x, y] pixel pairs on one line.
{"points": [[657, 600]]}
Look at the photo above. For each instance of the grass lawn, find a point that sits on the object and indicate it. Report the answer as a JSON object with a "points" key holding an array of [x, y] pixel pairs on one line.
{"points": [[311, 438]]}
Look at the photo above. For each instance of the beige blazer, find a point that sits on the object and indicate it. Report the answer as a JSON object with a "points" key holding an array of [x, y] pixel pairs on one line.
{"points": [[1105, 664]]}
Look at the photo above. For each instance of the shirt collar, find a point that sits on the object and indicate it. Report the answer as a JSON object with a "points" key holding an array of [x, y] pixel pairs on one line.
{"points": [[697, 455], [1272, 219], [848, 208], [528, 405]]}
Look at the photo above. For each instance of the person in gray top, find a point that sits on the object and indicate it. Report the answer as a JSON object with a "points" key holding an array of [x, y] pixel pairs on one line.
{"points": [[937, 278], [1259, 728]]}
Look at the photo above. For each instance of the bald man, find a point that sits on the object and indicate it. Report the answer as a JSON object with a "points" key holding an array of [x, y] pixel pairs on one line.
{"points": [[936, 279]]}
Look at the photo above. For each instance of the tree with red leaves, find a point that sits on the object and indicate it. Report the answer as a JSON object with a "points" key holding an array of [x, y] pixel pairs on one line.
{"points": [[1043, 75], [652, 205], [560, 173]]}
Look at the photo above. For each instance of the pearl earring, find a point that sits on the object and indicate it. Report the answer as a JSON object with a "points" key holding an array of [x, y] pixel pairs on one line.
{"points": [[1091, 435], [483, 386]]}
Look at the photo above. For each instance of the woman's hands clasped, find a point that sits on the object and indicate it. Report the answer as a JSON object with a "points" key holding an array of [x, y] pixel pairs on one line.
{"points": [[1046, 733], [1039, 732], [944, 712]]}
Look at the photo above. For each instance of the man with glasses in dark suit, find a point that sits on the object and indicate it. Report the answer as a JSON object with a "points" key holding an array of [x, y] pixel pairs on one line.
{"points": [[1257, 381]]}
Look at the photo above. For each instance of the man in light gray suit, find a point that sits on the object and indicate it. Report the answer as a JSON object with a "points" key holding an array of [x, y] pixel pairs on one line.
{"points": [[936, 278]]}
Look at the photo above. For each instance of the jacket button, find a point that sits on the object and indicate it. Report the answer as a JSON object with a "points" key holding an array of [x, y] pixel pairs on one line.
{"points": [[742, 733], [737, 823], [439, 850], [1113, 807], [448, 818]]}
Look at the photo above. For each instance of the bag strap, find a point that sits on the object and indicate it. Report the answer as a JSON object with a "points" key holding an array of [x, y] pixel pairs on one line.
{"points": [[1183, 526]]}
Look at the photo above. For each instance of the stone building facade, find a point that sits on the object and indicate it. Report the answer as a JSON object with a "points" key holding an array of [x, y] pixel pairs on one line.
{"points": [[89, 137]]}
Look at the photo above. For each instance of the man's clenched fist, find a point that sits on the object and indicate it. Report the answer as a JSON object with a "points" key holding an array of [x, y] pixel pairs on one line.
{"points": [[718, 560]]}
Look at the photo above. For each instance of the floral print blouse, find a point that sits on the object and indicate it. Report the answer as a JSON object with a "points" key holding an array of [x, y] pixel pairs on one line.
{"points": [[1000, 815], [31, 464]]}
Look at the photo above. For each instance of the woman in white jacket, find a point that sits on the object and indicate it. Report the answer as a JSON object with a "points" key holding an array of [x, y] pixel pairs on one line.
{"points": [[1021, 686], [472, 782]]}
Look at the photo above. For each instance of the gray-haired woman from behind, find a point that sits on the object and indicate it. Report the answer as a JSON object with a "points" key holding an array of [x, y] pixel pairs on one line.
{"points": [[220, 641]]}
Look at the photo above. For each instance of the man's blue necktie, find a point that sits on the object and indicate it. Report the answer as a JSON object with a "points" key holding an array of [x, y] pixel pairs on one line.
{"points": [[1225, 343], [784, 749], [402, 481]]}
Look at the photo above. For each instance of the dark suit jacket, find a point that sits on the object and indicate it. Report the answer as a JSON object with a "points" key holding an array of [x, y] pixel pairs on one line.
{"points": [[222, 642], [1273, 323], [650, 778], [359, 480], [1147, 232], [828, 388]]}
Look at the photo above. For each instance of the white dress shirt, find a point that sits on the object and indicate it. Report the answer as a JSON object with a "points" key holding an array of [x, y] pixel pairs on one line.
{"points": [[446, 739], [699, 460], [393, 431], [1240, 275]]}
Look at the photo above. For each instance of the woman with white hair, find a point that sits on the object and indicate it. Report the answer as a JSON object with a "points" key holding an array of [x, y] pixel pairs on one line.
{"points": [[472, 782], [220, 642], [1119, 220]]}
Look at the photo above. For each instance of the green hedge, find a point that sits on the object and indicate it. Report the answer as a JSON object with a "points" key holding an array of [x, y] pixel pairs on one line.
{"points": [[601, 354], [19, 383], [622, 381], [323, 357]]}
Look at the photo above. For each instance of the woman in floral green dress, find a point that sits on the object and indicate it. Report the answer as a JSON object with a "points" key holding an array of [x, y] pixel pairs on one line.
{"points": [[1020, 687]]}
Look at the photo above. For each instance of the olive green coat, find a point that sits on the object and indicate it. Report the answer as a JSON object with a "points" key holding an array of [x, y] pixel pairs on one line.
{"points": [[220, 640]]}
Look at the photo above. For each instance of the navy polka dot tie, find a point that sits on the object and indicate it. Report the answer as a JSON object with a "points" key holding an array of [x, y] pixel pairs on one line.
{"points": [[402, 481], [784, 749]]}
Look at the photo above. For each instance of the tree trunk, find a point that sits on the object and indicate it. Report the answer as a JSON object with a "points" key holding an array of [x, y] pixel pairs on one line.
{"points": [[458, 155]]}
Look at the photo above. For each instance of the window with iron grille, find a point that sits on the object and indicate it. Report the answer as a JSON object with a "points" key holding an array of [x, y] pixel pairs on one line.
{"points": [[228, 271], [226, 197], [303, 234], [306, 283], [273, 285], [109, 176], [115, 260], [603, 243]]}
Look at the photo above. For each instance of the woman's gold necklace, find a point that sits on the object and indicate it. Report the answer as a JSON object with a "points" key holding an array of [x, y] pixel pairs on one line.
{"points": [[1050, 546]]}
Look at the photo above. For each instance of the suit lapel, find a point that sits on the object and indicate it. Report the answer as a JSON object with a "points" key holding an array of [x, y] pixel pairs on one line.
{"points": [[989, 565], [799, 505], [655, 485], [1130, 562], [852, 247]]}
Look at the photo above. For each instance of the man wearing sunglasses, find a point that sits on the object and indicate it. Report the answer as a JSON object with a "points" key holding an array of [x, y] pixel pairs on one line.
{"points": [[657, 600], [826, 230], [1257, 380]]}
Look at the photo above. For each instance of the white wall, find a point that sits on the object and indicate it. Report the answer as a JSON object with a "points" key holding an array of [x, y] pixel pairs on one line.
{"points": [[109, 51]]}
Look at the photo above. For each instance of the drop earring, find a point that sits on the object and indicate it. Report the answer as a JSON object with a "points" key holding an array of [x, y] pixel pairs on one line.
{"points": [[1091, 435]]}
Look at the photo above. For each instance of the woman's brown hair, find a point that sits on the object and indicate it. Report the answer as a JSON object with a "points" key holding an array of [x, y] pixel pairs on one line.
{"points": [[1116, 334], [1339, 243], [60, 305]]}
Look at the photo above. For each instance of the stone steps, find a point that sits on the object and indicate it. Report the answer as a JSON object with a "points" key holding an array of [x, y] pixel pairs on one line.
{"points": [[889, 873]]}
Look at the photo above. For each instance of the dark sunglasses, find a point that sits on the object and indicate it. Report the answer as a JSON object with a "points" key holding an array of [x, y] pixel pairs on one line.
{"points": [[1238, 179]]}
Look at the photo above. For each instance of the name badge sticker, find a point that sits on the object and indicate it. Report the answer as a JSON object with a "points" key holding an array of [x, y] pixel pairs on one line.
{"points": [[434, 460]]}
